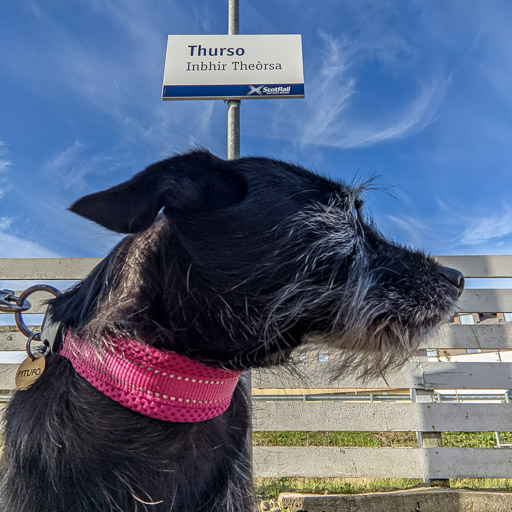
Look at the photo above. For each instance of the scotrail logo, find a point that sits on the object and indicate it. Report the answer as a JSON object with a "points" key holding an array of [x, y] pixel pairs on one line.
{"points": [[264, 90]]}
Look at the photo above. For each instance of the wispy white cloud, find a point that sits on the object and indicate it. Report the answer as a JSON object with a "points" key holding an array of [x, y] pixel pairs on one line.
{"points": [[71, 166], [5, 223], [487, 228], [5, 163], [484, 232], [326, 118], [12, 246], [63, 159], [332, 88], [413, 230], [415, 116], [451, 230]]}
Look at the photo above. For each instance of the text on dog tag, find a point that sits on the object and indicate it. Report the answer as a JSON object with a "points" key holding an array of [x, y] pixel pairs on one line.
{"points": [[29, 371]]}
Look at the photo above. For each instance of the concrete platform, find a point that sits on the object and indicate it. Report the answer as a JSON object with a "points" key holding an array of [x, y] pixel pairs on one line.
{"points": [[413, 500]]}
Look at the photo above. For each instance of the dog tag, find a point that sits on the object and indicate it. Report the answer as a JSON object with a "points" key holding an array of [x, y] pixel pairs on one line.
{"points": [[29, 371]]}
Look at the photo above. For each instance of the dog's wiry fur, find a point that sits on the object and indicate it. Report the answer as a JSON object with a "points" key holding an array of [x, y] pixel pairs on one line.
{"points": [[245, 260]]}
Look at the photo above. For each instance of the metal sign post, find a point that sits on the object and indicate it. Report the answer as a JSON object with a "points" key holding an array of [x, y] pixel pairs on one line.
{"points": [[233, 150]]}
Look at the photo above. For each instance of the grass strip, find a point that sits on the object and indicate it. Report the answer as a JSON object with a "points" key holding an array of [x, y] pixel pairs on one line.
{"points": [[376, 439], [269, 488]]}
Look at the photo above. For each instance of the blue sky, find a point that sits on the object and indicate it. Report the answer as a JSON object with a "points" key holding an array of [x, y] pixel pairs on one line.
{"points": [[418, 93]]}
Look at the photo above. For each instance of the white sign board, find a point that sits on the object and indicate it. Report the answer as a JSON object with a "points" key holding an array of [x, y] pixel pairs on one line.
{"points": [[233, 67]]}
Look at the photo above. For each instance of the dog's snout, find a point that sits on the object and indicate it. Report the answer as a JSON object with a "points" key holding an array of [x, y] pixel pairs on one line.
{"points": [[454, 277]]}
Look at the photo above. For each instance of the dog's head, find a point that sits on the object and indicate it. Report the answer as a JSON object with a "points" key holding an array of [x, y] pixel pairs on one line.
{"points": [[248, 257]]}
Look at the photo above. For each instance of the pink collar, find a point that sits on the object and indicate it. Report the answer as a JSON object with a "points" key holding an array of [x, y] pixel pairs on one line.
{"points": [[159, 384]]}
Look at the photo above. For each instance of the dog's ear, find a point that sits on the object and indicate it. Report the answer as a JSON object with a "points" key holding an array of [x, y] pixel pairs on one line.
{"points": [[192, 182]]}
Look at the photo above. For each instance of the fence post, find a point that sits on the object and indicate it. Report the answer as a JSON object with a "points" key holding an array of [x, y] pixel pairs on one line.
{"points": [[429, 439]]}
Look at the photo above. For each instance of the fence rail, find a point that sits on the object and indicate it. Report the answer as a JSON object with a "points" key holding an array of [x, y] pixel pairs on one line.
{"points": [[380, 417], [426, 463], [422, 376]]}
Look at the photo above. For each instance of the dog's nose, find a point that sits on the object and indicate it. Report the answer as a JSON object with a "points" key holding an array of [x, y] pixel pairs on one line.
{"points": [[454, 277]]}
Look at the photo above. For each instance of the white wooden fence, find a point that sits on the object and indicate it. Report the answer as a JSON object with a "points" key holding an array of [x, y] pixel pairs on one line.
{"points": [[423, 414]]}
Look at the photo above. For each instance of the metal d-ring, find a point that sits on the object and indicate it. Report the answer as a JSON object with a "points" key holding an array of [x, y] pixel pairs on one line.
{"points": [[20, 323], [28, 349]]}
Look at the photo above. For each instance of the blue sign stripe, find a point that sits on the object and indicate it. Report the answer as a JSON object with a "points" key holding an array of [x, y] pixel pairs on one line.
{"points": [[232, 91]]}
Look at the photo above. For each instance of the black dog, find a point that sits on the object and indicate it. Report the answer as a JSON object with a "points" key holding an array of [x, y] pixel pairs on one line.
{"points": [[246, 259]]}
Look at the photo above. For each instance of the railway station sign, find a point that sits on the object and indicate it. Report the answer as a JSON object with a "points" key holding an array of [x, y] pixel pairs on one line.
{"points": [[233, 67]]}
